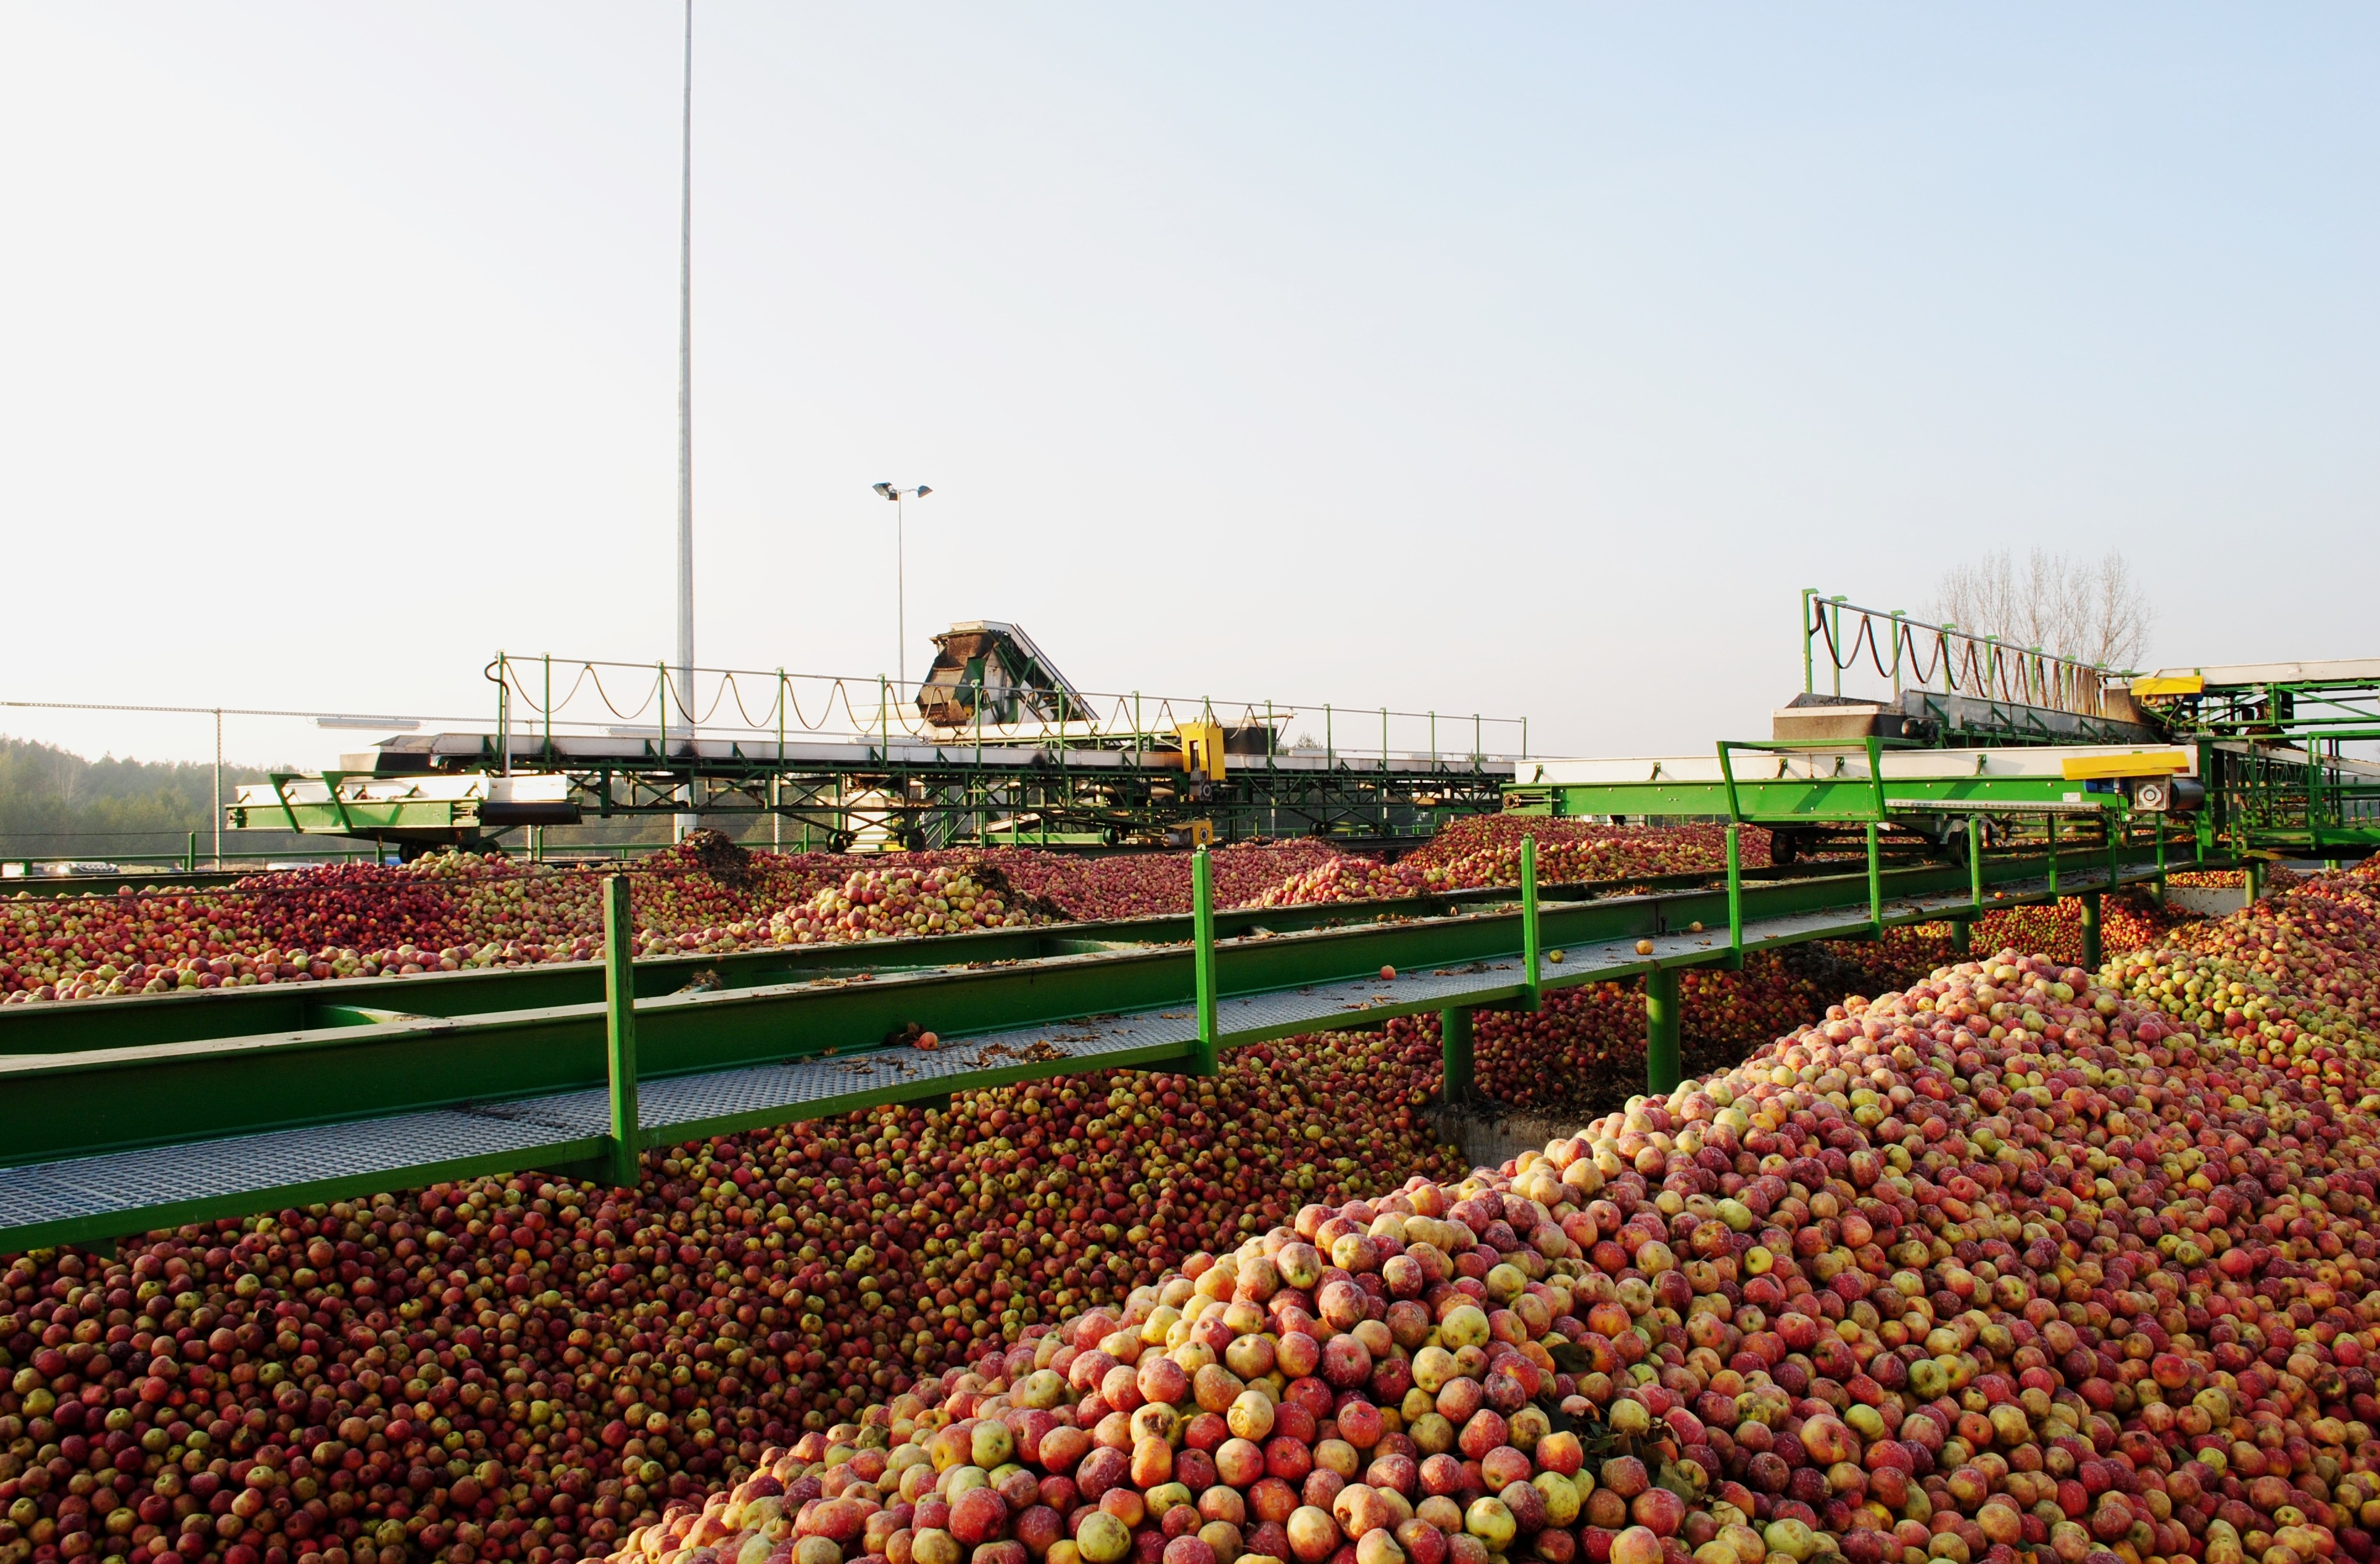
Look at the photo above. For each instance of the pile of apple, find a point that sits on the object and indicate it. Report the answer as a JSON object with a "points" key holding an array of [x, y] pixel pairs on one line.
{"points": [[452, 911], [1344, 879], [1121, 885], [528, 1368], [445, 911], [2003, 1263], [903, 901], [2299, 970], [1379, 1381], [1485, 850]]}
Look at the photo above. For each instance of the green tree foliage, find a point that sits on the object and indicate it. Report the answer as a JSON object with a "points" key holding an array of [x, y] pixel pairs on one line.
{"points": [[55, 804]]}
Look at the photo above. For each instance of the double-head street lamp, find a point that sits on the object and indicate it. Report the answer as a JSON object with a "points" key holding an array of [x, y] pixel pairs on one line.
{"points": [[900, 586]]}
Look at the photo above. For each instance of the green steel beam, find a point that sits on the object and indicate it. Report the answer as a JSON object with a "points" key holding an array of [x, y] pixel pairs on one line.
{"points": [[620, 1030], [1796, 800], [1454, 1035], [70, 1106], [1662, 1069], [195, 1014]]}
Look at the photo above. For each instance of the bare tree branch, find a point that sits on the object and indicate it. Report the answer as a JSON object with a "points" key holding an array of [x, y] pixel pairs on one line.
{"points": [[2091, 611]]}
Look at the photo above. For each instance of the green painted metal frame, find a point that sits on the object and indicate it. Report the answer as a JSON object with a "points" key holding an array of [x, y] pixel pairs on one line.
{"points": [[73, 1105], [198, 1014], [620, 1030]]}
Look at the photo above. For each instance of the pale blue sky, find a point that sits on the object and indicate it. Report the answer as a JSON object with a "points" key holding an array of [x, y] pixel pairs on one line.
{"points": [[1524, 359]]}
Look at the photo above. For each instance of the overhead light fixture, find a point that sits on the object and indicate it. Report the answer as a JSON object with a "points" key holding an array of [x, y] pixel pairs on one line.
{"points": [[402, 725], [884, 490], [924, 489]]}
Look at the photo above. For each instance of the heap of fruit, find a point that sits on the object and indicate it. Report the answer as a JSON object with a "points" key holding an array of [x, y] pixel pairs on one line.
{"points": [[528, 1368], [1344, 879], [442, 913], [2298, 970], [1485, 850], [901, 900], [1381, 1380], [1125, 885], [2003, 1263]]}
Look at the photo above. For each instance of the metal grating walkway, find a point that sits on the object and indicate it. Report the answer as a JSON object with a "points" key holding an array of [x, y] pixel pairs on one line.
{"points": [[165, 1186]]}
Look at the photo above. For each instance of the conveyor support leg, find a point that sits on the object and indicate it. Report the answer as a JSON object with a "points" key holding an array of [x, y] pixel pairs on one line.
{"points": [[1661, 1031], [620, 1030], [1454, 1048], [1207, 1054]]}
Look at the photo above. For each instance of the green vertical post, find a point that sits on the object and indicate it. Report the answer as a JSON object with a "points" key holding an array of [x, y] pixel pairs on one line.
{"points": [[1962, 936], [1735, 893], [1975, 860], [1875, 883], [190, 855], [1207, 1057], [1529, 945], [620, 1029], [1809, 636], [2091, 955], [1661, 1068], [1454, 1048], [2253, 871], [2052, 819], [2160, 860]]}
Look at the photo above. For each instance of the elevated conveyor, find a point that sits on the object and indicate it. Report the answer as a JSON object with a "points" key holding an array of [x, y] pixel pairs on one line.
{"points": [[116, 1140]]}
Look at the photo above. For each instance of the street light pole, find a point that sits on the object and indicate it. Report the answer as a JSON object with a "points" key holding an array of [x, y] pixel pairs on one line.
{"points": [[686, 819], [900, 570]]}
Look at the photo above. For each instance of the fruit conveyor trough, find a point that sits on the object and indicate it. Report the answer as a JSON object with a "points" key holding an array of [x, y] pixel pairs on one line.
{"points": [[111, 1141]]}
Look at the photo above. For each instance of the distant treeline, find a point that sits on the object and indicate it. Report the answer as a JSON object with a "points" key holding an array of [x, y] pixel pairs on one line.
{"points": [[55, 804]]}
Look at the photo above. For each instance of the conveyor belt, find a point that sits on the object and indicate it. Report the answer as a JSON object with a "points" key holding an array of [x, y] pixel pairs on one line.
{"points": [[84, 1198]]}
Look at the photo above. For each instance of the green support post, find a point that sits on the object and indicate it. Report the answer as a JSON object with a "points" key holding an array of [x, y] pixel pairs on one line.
{"points": [[1661, 1031], [2052, 819], [2252, 870], [1962, 936], [620, 1030], [1530, 949], [2159, 889], [1735, 897], [2091, 955], [1454, 1048], [1975, 860], [1875, 884], [1207, 1060]]}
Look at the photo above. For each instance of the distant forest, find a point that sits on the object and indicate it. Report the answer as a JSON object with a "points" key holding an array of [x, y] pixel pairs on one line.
{"points": [[55, 804]]}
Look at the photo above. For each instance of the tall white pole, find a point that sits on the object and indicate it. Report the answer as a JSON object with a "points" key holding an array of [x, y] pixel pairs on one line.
{"points": [[686, 820], [900, 588], [218, 789]]}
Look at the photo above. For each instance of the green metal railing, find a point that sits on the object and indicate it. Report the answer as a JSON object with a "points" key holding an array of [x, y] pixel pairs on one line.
{"points": [[1905, 651], [100, 1102]]}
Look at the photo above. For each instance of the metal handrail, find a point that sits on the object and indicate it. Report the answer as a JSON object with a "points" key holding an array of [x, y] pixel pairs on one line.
{"points": [[1983, 667], [772, 704]]}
